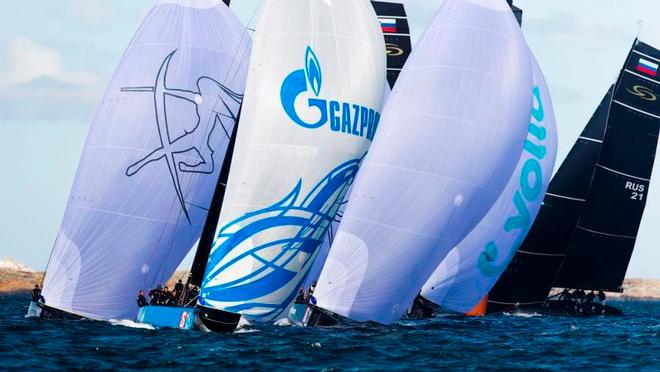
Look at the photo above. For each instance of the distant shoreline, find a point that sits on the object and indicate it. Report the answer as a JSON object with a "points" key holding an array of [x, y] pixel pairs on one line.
{"points": [[24, 281]]}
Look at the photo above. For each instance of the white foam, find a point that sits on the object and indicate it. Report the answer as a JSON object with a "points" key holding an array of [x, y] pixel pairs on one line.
{"points": [[130, 324], [284, 322], [523, 315]]}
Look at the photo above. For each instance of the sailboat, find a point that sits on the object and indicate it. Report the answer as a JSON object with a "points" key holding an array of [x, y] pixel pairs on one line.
{"points": [[586, 230], [396, 31], [151, 161], [471, 269], [312, 107], [424, 185]]}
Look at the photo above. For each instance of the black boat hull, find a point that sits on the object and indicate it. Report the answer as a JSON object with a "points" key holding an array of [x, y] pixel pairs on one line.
{"points": [[217, 320], [560, 308], [46, 312], [422, 309]]}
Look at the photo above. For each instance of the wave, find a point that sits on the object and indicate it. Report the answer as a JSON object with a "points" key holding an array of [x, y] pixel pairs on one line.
{"points": [[284, 322], [523, 314], [130, 324]]}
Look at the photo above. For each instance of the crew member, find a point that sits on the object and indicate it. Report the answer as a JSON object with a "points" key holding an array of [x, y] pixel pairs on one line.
{"points": [[178, 289], [36, 294], [141, 300], [601, 297], [300, 298], [310, 292]]}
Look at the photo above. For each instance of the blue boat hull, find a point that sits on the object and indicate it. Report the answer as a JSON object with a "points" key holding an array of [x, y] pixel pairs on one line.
{"points": [[299, 314], [168, 317]]}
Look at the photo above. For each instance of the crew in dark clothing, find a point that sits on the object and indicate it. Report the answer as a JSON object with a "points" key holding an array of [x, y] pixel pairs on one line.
{"points": [[310, 292], [300, 298], [36, 294], [178, 290], [591, 297], [168, 297], [141, 300], [154, 295], [601, 297]]}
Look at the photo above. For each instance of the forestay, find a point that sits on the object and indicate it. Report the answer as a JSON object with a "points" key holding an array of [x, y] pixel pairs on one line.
{"points": [[151, 160], [459, 284], [449, 140], [312, 107]]}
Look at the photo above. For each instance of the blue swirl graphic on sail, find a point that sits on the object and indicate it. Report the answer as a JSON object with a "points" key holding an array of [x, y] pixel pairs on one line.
{"points": [[284, 261]]}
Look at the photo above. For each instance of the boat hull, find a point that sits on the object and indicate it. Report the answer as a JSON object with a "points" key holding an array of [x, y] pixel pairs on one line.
{"points": [[168, 317], [217, 320], [299, 314], [44, 311]]}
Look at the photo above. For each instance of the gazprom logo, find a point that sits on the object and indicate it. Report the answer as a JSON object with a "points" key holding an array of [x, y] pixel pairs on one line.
{"points": [[345, 117]]}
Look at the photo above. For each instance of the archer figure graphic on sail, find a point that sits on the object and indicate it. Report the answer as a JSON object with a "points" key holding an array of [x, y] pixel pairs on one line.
{"points": [[213, 102]]}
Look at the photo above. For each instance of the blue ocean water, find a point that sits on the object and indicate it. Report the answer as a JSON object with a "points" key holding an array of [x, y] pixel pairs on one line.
{"points": [[449, 342]]}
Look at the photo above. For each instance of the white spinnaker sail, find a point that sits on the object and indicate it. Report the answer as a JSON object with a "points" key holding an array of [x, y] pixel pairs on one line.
{"points": [[324, 250], [485, 253], [449, 140], [313, 102], [151, 161]]}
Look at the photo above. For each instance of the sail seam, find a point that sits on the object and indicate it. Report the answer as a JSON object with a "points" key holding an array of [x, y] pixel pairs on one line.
{"points": [[623, 174], [565, 197], [646, 55], [516, 303], [591, 139], [640, 76], [542, 254], [612, 235], [636, 109]]}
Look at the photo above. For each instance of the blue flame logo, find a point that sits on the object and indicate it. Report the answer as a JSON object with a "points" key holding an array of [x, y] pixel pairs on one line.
{"points": [[344, 117], [279, 266], [313, 71]]}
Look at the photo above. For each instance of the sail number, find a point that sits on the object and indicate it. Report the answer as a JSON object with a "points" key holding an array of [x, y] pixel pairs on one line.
{"points": [[636, 189]]}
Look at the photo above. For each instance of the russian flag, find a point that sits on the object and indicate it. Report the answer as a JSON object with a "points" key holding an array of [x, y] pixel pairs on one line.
{"points": [[388, 24], [647, 67]]}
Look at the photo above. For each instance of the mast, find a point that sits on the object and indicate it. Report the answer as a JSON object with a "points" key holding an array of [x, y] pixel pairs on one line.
{"points": [[208, 233]]}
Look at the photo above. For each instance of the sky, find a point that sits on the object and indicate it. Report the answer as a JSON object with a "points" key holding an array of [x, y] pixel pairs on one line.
{"points": [[56, 56]]}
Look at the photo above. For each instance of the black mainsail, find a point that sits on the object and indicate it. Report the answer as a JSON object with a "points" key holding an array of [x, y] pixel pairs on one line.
{"points": [[394, 23], [585, 232], [604, 239]]}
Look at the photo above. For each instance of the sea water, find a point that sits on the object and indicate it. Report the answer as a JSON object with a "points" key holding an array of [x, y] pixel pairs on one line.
{"points": [[508, 341]]}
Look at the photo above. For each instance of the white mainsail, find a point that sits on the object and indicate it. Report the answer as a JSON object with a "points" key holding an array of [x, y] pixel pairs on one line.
{"points": [[312, 107], [450, 137], [459, 284], [151, 161]]}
